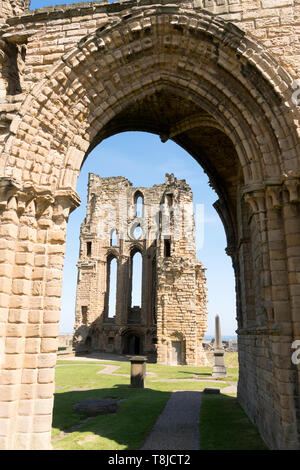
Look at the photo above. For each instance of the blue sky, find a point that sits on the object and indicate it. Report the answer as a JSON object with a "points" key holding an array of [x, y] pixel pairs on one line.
{"points": [[144, 160]]}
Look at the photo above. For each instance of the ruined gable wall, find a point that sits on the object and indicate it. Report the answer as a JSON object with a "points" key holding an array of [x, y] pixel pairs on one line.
{"points": [[181, 293], [180, 301]]}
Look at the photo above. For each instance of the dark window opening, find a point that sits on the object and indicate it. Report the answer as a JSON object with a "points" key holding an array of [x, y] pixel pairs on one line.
{"points": [[89, 248], [169, 199], [133, 345], [167, 248], [84, 310]]}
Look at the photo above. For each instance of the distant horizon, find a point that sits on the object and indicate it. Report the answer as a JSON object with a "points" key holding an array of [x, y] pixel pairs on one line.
{"points": [[206, 336]]}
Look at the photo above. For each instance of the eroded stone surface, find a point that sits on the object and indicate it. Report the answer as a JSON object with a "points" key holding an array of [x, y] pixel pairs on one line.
{"points": [[170, 323], [96, 406], [216, 77]]}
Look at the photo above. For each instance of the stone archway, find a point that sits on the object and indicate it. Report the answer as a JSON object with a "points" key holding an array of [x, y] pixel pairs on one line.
{"points": [[132, 341], [199, 80]]}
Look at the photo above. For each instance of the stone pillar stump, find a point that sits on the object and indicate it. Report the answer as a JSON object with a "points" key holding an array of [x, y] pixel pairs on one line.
{"points": [[138, 371]]}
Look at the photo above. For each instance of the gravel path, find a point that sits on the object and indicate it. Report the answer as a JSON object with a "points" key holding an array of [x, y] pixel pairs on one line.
{"points": [[177, 428], [230, 389], [110, 370]]}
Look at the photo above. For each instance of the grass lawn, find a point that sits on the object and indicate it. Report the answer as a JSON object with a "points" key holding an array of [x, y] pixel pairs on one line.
{"points": [[225, 426], [126, 429], [139, 409]]}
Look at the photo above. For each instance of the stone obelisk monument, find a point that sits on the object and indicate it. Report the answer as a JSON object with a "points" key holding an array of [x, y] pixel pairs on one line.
{"points": [[219, 369]]}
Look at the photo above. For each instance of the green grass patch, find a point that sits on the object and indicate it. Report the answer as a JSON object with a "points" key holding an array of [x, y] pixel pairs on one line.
{"points": [[196, 385], [72, 362], [225, 426], [231, 360], [161, 371], [139, 409], [126, 429]]}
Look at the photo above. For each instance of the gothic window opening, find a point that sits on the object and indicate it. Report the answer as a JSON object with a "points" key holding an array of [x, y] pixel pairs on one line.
{"points": [[139, 203], [136, 279], [114, 238], [112, 287]]}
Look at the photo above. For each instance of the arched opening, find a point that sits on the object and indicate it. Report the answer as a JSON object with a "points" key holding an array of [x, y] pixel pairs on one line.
{"points": [[136, 279], [176, 347], [112, 272], [139, 204], [208, 87], [132, 342], [114, 238], [150, 171]]}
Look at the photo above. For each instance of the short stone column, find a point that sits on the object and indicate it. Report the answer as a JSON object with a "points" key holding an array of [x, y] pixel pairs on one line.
{"points": [[219, 369], [138, 371]]}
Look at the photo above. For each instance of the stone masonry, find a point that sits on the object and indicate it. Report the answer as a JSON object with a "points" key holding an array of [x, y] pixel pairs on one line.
{"points": [[170, 323], [219, 78]]}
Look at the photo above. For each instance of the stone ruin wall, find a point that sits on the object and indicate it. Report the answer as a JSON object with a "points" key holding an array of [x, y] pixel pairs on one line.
{"points": [[181, 296], [179, 302], [33, 42], [9, 8], [181, 317]]}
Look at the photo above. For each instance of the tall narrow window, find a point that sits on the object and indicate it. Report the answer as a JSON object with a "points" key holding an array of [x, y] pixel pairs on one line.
{"points": [[169, 199], [89, 248], [84, 310], [154, 289], [139, 205], [114, 238], [167, 248], [136, 286], [112, 287]]}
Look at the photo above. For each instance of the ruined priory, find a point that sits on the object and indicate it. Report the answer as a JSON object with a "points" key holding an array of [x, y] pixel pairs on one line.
{"points": [[169, 322]]}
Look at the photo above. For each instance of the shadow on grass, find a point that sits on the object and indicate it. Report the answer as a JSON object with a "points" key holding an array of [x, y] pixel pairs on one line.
{"points": [[126, 429], [224, 425]]}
